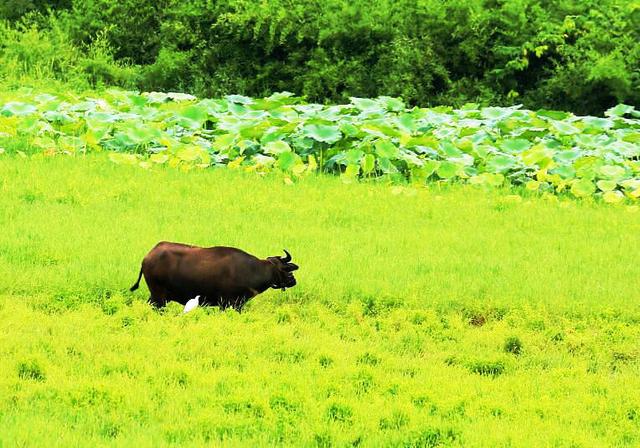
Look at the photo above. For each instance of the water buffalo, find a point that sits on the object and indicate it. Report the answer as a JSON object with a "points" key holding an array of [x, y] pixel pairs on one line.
{"points": [[221, 276]]}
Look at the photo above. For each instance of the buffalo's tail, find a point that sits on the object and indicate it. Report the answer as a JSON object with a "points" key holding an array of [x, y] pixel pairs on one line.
{"points": [[137, 284]]}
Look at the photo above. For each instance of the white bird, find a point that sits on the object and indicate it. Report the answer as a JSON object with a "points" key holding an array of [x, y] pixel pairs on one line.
{"points": [[191, 304]]}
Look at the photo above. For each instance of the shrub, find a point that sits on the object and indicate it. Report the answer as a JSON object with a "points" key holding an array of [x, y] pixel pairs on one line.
{"points": [[31, 370], [513, 345], [487, 368], [339, 413], [40, 47], [15, 9]]}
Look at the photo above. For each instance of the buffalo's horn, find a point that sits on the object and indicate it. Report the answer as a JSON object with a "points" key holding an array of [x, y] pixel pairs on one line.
{"points": [[286, 259]]}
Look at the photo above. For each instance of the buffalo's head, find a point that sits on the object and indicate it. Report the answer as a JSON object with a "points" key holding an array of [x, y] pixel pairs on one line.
{"points": [[283, 271]]}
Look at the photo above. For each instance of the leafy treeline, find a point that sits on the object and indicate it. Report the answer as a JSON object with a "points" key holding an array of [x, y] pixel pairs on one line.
{"points": [[581, 56]]}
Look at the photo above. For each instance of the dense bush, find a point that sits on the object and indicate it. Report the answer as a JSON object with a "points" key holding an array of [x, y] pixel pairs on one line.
{"points": [[31, 52], [582, 56], [14, 9]]}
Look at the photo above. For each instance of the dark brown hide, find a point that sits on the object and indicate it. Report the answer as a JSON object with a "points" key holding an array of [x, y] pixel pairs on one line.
{"points": [[221, 276]]}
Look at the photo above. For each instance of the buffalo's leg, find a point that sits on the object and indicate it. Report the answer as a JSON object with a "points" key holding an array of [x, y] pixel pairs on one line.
{"points": [[239, 303], [159, 295], [157, 303]]}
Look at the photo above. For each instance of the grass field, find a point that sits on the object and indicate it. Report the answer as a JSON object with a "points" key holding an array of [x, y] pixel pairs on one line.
{"points": [[421, 317]]}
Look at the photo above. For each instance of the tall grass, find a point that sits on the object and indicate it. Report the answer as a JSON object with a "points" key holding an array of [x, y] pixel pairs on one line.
{"points": [[422, 318], [38, 56], [81, 227]]}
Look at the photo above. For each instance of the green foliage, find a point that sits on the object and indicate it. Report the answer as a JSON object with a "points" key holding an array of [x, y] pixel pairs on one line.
{"points": [[513, 345], [560, 54], [37, 50], [30, 370], [131, 26], [544, 152], [28, 51], [487, 368], [339, 413], [15, 9]]}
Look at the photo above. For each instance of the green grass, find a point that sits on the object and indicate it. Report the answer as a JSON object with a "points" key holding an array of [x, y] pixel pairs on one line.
{"points": [[422, 317]]}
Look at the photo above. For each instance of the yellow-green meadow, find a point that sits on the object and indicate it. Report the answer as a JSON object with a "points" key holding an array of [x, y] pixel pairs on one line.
{"points": [[450, 316]]}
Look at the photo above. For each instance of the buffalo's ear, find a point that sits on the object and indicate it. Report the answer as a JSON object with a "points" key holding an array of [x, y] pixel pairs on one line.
{"points": [[289, 267]]}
